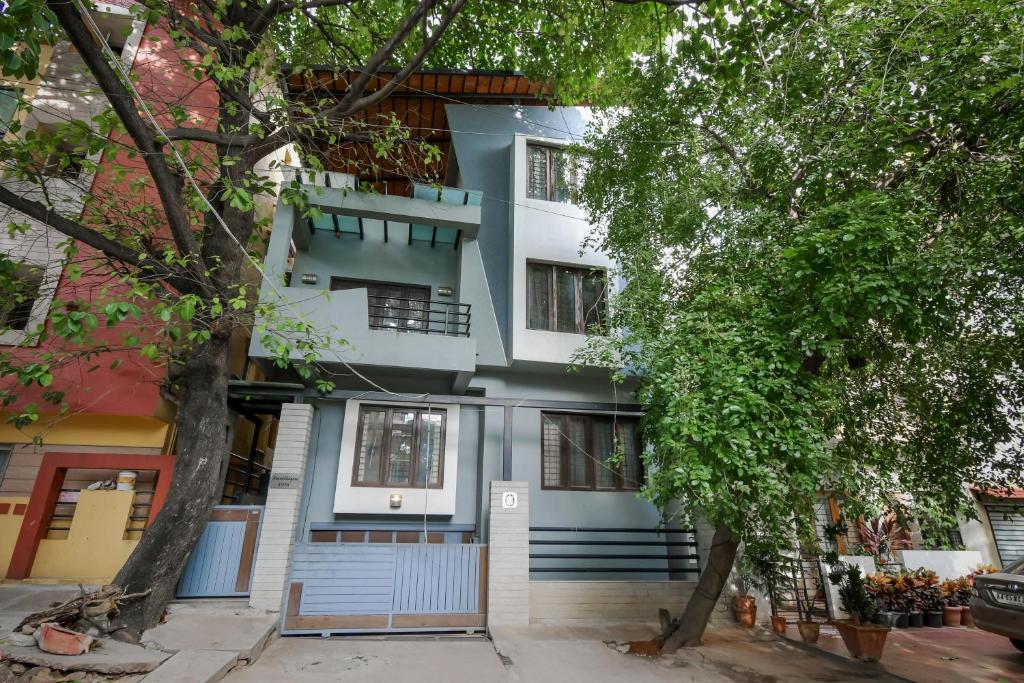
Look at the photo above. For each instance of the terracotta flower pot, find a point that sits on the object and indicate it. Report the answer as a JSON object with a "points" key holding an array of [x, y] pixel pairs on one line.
{"points": [[966, 618], [951, 615], [864, 642], [809, 630], [779, 624], [746, 610]]}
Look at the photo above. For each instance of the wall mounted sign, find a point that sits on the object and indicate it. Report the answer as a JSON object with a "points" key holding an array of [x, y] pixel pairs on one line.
{"points": [[280, 480], [68, 496], [509, 499]]}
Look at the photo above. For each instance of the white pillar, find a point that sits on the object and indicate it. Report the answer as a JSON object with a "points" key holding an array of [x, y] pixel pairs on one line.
{"points": [[508, 561], [281, 516]]}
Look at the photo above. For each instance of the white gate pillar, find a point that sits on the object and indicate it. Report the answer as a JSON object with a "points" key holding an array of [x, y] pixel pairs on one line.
{"points": [[508, 561], [281, 516]]}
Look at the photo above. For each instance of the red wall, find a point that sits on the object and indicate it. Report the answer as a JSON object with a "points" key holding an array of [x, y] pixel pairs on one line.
{"points": [[89, 383]]}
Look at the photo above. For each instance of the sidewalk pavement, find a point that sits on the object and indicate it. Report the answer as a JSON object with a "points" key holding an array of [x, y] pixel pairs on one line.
{"points": [[540, 654], [937, 655], [200, 641]]}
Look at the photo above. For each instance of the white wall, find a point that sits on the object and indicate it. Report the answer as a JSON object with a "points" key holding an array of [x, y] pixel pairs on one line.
{"points": [[550, 232], [375, 500]]}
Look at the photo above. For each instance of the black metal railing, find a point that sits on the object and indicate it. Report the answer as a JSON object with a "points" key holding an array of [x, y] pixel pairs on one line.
{"points": [[418, 315], [613, 550], [803, 596], [245, 476]]}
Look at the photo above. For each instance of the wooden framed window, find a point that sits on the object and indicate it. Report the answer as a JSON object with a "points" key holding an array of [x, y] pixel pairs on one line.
{"points": [[399, 447], [566, 299], [590, 452], [549, 175]]}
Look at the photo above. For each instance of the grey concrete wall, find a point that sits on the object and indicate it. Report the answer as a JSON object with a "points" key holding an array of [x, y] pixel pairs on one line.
{"points": [[371, 258], [485, 165], [322, 472]]}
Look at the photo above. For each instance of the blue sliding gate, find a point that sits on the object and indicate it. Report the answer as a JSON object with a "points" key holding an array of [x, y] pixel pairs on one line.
{"points": [[360, 587], [221, 564]]}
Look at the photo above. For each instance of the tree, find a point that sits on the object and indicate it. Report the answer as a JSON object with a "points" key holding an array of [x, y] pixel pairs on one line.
{"points": [[817, 210], [173, 260]]}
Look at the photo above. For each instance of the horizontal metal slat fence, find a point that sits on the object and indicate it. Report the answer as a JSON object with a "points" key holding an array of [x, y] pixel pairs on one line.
{"points": [[601, 553]]}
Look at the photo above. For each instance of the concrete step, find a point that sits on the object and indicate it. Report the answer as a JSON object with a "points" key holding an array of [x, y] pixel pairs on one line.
{"points": [[243, 632], [194, 666]]}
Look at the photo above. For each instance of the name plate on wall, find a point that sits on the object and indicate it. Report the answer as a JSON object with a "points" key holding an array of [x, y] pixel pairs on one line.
{"points": [[280, 480]]}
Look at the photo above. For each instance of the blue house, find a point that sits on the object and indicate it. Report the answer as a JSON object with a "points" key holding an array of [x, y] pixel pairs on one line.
{"points": [[458, 476]]}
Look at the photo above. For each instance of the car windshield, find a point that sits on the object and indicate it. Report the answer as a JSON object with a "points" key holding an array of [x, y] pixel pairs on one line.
{"points": [[1015, 568]]}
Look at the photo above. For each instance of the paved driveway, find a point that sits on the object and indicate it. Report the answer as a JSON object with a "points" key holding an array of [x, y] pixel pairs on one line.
{"points": [[543, 654], [941, 655]]}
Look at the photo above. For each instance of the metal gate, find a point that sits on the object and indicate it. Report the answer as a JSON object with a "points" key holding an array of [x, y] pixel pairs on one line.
{"points": [[1008, 530], [353, 587], [221, 564]]}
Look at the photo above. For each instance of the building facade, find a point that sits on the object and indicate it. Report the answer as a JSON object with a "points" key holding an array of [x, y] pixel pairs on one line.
{"points": [[457, 444]]}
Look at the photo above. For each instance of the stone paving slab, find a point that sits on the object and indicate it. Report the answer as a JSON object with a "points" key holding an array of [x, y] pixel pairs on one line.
{"points": [[240, 630], [194, 666], [111, 657], [936, 655]]}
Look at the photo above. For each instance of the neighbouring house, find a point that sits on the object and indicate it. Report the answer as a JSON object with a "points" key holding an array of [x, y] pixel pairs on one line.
{"points": [[52, 528]]}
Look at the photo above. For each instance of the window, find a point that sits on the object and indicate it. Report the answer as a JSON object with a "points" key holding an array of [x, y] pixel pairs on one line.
{"points": [[564, 299], [590, 452], [392, 306], [549, 175], [399, 447], [22, 290], [66, 162], [5, 457], [8, 108]]}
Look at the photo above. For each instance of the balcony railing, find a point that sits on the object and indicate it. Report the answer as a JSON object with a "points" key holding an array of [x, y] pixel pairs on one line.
{"points": [[418, 315]]}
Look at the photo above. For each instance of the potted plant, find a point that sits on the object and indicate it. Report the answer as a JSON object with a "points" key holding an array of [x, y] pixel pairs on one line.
{"points": [[900, 599], [767, 575], [744, 605], [964, 590], [864, 640], [880, 588], [916, 584], [810, 630], [933, 606], [951, 610]]}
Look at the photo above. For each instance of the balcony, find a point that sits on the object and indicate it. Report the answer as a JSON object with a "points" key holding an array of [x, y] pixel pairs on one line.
{"points": [[419, 316], [374, 271]]}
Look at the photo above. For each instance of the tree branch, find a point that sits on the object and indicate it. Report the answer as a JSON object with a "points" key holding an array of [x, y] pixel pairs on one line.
{"points": [[123, 102], [380, 57], [110, 248], [211, 136], [428, 44]]}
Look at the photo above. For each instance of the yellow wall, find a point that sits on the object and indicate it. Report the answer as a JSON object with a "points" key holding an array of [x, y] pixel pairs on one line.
{"points": [[95, 547], [10, 526], [90, 430]]}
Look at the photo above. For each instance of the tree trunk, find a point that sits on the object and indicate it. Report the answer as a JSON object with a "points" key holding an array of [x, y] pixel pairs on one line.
{"points": [[701, 604], [202, 421]]}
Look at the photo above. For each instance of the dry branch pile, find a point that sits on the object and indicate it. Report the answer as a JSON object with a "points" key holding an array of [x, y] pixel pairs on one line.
{"points": [[92, 613]]}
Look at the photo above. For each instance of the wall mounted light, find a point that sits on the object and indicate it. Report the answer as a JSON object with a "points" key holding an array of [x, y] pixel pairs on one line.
{"points": [[309, 278], [395, 500], [445, 291]]}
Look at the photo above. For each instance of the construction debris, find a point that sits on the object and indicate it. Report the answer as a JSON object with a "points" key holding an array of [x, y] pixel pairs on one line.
{"points": [[91, 613], [58, 640]]}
